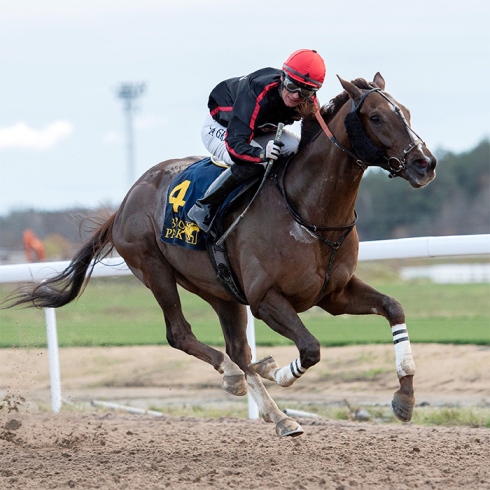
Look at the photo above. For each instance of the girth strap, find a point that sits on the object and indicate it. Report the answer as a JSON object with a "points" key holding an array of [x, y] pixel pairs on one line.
{"points": [[224, 272]]}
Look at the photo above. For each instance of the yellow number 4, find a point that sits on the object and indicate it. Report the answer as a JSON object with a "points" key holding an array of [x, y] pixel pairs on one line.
{"points": [[176, 197]]}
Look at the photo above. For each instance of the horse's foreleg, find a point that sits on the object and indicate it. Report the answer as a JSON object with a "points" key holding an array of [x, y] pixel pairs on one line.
{"points": [[278, 313], [358, 298], [233, 319], [284, 376], [285, 426]]}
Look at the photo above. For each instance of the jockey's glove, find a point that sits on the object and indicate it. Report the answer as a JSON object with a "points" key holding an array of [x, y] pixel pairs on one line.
{"points": [[273, 149]]}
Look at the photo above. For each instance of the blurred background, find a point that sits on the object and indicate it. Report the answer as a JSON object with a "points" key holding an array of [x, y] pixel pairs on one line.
{"points": [[93, 93]]}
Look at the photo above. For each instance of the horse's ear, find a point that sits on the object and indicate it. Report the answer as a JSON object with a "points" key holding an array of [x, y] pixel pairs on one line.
{"points": [[379, 81], [351, 89]]}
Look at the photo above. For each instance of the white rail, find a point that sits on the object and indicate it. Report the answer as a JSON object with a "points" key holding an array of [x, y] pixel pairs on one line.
{"points": [[39, 271], [402, 248], [429, 246]]}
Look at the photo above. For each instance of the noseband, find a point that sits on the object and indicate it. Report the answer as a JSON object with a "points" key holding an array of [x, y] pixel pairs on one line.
{"points": [[395, 165]]}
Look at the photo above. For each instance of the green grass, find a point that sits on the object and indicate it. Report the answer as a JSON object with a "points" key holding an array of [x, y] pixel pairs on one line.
{"points": [[475, 417], [428, 416], [120, 311], [453, 416]]}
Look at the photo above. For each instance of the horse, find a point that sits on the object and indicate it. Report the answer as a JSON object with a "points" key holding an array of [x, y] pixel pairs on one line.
{"points": [[297, 247]]}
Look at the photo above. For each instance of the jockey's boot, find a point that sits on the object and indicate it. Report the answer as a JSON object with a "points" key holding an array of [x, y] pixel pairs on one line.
{"points": [[203, 212]]}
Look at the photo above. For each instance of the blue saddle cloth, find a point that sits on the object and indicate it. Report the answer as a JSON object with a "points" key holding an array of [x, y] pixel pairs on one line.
{"points": [[182, 194]]}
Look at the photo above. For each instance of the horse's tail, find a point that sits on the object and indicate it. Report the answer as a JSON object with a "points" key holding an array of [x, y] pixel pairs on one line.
{"points": [[65, 287]]}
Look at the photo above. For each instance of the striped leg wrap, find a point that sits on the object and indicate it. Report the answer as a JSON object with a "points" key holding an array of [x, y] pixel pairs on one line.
{"points": [[288, 374], [403, 351]]}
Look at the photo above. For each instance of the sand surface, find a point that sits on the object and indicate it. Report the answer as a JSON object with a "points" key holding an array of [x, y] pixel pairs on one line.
{"points": [[94, 447]]}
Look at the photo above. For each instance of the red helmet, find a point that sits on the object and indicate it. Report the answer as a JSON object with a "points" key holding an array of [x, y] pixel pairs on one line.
{"points": [[307, 67]]}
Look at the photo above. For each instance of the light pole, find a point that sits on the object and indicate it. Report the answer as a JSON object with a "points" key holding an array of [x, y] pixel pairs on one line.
{"points": [[129, 92]]}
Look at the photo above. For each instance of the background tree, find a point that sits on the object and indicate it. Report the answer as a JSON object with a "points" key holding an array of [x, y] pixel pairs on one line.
{"points": [[456, 203]]}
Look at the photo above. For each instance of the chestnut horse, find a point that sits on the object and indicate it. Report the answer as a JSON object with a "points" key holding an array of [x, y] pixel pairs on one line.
{"points": [[296, 247]]}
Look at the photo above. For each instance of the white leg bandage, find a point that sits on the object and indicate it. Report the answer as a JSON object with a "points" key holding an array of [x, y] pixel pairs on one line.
{"points": [[287, 375], [403, 352]]}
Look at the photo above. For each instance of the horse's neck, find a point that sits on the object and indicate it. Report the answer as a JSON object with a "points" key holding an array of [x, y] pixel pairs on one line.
{"points": [[323, 182]]}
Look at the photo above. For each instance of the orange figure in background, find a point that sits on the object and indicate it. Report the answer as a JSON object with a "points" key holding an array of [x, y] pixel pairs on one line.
{"points": [[33, 246]]}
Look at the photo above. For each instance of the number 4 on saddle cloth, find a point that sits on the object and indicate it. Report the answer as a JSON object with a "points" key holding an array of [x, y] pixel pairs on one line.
{"points": [[182, 194]]}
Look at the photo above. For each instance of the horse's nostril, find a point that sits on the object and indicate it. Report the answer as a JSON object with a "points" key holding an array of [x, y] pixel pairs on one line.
{"points": [[424, 163]]}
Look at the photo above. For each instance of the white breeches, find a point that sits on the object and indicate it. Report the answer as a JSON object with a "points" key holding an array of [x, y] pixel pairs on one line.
{"points": [[213, 137]]}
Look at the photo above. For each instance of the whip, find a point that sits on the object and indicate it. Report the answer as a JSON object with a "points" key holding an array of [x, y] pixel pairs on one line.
{"points": [[268, 167]]}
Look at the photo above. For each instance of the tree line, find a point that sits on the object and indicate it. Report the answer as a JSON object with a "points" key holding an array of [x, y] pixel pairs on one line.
{"points": [[457, 202]]}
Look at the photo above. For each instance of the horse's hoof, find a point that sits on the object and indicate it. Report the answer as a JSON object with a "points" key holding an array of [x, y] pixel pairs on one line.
{"points": [[288, 427], [402, 408], [265, 368], [235, 384]]}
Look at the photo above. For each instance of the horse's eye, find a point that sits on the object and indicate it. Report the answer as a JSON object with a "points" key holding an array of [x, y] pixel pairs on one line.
{"points": [[375, 119]]}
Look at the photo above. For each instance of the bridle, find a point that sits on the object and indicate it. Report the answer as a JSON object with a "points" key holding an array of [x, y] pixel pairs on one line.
{"points": [[395, 165], [279, 179]]}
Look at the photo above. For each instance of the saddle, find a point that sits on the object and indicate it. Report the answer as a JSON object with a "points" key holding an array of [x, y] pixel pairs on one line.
{"points": [[179, 230]]}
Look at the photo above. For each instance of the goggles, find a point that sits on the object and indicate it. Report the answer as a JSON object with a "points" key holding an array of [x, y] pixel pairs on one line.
{"points": [[294, 87]]}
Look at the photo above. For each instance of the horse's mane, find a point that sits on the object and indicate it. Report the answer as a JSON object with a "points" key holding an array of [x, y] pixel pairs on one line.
{"points": [[310, 126]]}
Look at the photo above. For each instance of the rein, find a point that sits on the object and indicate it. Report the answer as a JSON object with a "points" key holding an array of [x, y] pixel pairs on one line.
{"points": [[400, 162], [334, 140]]}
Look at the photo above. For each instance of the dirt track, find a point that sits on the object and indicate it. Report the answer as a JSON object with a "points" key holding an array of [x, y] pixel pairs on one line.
{"points": [[97, 448]]}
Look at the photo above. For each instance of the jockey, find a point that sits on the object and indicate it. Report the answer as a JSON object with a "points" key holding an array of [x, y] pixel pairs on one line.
{"points": [[242, 122]]}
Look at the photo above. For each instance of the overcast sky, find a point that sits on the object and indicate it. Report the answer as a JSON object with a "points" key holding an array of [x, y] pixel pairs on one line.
{"points": [[62, 127]]}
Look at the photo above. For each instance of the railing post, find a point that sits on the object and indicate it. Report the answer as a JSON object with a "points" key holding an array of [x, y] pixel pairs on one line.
{"points": [[54, 360], [253, 409], [375, 250]]}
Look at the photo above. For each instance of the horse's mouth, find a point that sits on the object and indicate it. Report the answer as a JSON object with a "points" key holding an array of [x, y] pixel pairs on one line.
{"points": [[421, 171]]}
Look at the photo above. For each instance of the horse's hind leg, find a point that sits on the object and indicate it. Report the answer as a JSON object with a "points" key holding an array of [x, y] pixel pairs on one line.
{"points": [[233, 319], [358, 298], [159, 277]]}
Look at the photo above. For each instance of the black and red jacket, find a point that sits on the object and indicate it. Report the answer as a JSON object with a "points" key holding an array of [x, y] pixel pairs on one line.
{"points": [[250, 106]]}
